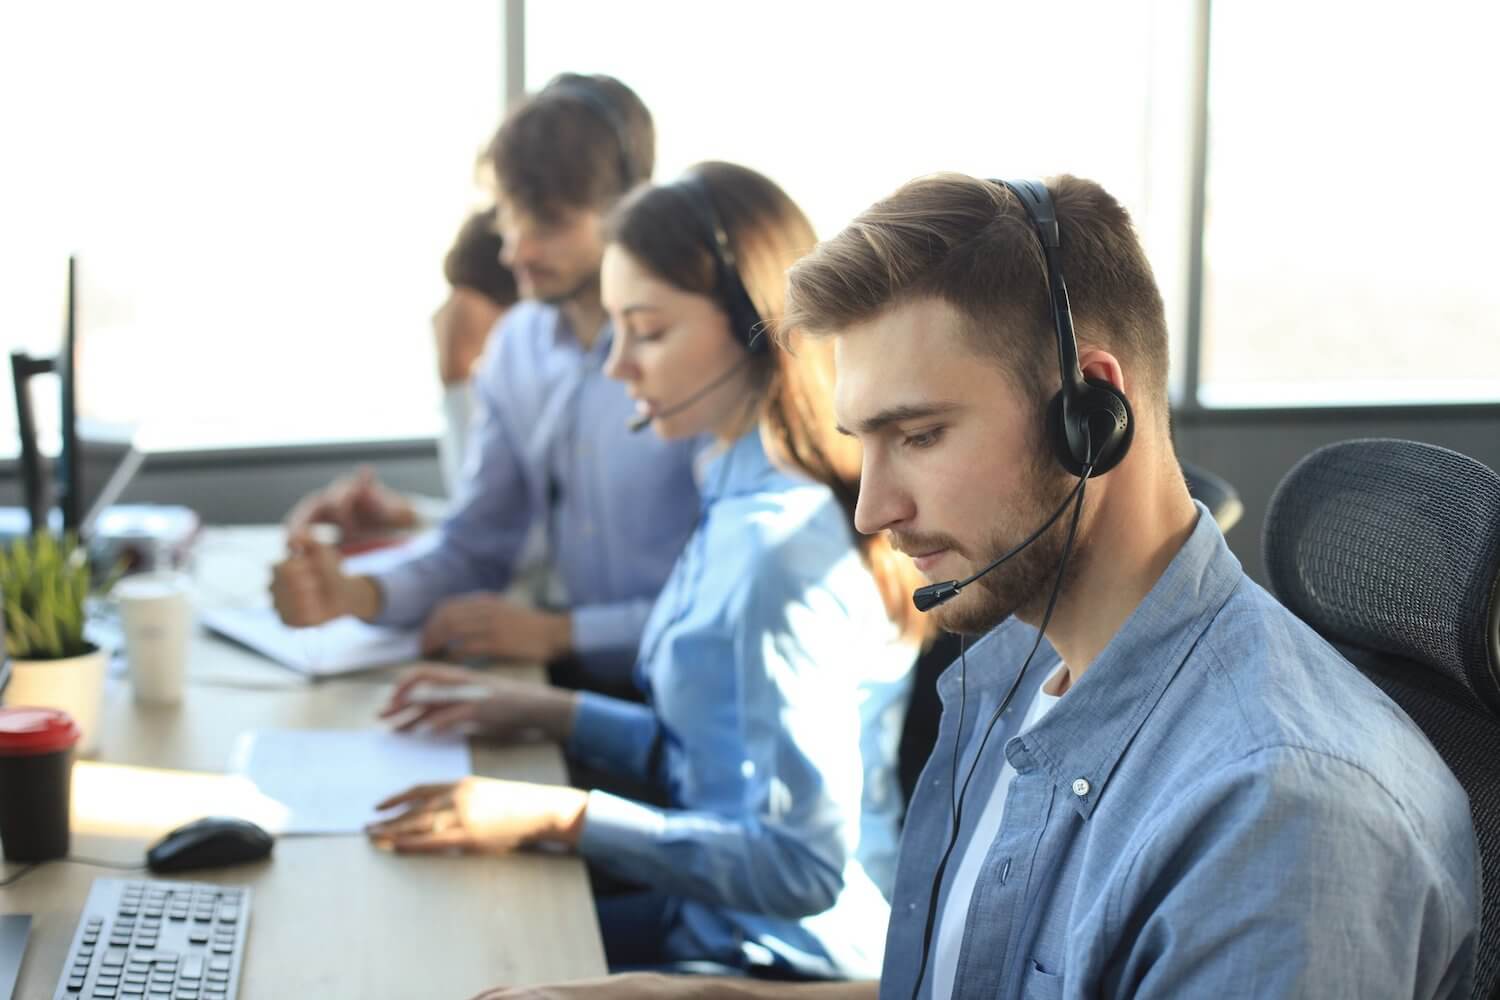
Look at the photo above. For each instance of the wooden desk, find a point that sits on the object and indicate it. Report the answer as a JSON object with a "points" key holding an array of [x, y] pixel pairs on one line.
{"points": [[331, 916]]}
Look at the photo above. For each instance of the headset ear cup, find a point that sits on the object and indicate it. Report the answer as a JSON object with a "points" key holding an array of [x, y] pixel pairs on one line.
{"points": [[1106, 413]]}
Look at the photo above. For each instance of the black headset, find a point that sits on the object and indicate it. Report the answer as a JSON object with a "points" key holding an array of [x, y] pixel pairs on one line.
{"points": [[588, 92], [1087, 415], [729, 287], [1089, 422]]}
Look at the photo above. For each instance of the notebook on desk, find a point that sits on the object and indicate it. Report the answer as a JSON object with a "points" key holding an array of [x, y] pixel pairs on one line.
{"points": [[342, 646]]}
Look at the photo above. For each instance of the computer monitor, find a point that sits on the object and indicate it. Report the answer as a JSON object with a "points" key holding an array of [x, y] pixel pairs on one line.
{"points": [[37, 490]]}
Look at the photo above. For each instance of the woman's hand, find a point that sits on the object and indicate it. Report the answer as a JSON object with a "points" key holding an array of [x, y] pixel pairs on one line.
{"points": [[481, 816], [452, 699]]}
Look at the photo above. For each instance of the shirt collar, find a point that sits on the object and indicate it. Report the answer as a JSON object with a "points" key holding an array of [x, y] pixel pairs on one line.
{"points": [[1079, 742], [742, 467], [563, 336]]}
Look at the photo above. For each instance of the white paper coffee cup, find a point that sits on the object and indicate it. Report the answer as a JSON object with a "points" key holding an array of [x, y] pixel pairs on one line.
{"points": [[156, 613]]}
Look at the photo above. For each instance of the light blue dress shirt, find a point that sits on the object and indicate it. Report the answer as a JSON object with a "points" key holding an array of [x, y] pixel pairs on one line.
{"points": [[550, 443], [1221, 807], [776, 689]]}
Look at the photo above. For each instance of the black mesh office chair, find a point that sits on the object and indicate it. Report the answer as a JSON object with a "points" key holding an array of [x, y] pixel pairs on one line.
{"points": [[1391, 551], [919, 731], [1221, 499]]}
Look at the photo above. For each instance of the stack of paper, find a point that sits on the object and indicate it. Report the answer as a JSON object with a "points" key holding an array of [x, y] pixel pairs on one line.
{"points": [[342, 646], [330, 780]]}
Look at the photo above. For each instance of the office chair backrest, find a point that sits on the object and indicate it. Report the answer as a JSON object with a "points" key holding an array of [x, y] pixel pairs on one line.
{"points": [[1391, 551]]}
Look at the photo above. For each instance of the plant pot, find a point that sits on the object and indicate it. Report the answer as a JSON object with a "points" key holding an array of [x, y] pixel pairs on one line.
{"points": [[75, 685]]}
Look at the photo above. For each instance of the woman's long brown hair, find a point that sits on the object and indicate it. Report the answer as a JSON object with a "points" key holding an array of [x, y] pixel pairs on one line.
{"points": [[662, 229]]}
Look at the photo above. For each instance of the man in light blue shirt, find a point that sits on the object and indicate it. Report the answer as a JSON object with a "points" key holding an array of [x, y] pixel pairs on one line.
{"points": [[550, 443], [1164, 784]]}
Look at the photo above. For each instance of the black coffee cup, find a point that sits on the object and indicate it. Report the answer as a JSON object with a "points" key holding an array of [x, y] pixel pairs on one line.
{"points": [[36, 772]]}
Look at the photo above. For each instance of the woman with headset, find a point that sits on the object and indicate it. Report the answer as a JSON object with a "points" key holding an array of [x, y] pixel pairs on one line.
{"points": [[776, 663]]}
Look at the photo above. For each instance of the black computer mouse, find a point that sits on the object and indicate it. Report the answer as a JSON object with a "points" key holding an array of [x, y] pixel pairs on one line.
{"points": [[211, 842]]}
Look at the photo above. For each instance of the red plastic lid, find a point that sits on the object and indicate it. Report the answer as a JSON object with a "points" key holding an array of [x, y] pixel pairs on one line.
{"points": [[36, 730]]}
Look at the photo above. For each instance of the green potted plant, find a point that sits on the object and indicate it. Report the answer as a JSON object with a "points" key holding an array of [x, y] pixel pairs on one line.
{"points": [[44, 584]]}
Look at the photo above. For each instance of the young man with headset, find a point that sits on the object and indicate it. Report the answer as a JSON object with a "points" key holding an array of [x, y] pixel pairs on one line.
{"points": [[1163, 784], [551, 443]]}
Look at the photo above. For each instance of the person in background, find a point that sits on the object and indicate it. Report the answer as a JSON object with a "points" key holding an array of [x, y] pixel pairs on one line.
{"points": [[481, 290], [776, 664], [551, 446]]}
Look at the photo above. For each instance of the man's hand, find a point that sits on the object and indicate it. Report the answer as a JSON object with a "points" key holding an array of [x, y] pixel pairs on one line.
{"points": [[460, 328], [447, 699], [481, 816], [489, 626], [358, 505], [309, 588]]}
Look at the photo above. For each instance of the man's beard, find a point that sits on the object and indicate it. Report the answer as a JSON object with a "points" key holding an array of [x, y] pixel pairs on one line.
{"points": [[585, 283], [1023, 584]]}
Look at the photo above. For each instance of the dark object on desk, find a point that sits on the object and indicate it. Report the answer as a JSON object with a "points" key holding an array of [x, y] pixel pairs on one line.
{"points": [[14, 929], [1215, 493], [36, 768], [1391, 551], [34, 479], [212, 842]]}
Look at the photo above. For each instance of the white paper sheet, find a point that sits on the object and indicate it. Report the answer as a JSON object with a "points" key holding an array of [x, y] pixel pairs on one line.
{"points": [[330, 779], [342, 646]]}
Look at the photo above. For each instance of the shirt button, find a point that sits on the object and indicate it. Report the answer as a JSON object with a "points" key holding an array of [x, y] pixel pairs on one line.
{"points": [[1080, 787]]}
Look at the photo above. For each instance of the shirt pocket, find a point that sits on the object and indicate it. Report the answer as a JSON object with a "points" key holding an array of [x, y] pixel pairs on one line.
{"points": [[1040, 984]]}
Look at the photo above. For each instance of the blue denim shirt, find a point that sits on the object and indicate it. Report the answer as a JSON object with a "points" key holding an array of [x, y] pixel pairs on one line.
{"points": [[777, 687], [1221, 807], [550, 444]]}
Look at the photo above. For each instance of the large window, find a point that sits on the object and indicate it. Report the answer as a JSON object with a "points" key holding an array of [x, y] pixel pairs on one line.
{"points": [[259, 195], [1352, 204], [842, 102]]}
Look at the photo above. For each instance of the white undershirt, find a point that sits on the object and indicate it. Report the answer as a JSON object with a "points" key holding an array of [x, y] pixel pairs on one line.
{"points": [[949, 934]]}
